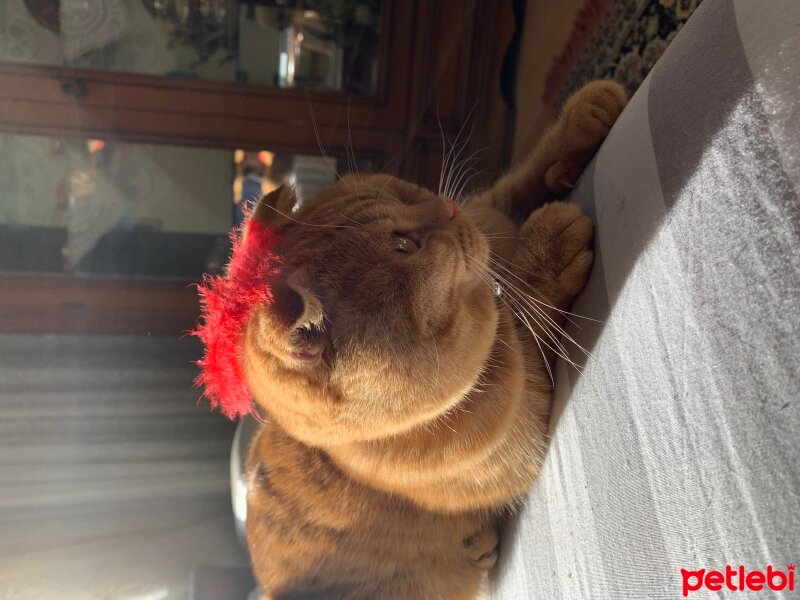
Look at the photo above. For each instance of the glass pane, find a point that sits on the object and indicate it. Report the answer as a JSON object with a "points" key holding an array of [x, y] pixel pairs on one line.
{"points": [[97, 207], [321, 44], [119, 483]]}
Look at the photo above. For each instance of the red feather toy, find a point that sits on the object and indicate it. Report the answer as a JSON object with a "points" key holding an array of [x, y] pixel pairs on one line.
{"points": [[226, 303]]}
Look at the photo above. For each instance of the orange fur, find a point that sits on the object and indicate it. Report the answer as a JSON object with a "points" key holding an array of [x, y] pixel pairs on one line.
{"points": [[407, 405]]}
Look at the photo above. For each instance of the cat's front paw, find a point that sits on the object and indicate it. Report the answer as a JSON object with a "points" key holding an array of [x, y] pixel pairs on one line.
{"points": [[482, 547], [590, 112], [561, 247], [586, 119]]}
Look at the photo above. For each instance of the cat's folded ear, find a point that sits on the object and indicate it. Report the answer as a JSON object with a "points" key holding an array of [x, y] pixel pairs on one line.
{"points": [[274, 205]]}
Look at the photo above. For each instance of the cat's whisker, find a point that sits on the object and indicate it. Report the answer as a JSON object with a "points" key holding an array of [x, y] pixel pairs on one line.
{"points": [[563, 312], [457, 174], [448, 161], [559, 349], [505, 343], [497, 236], [459, 193], [526, 311], [396, 156], [466, 171], [380, 195], [445, 172], [523, 315], [354, 174], [463, 145], [458, 167], [535, 305], [309, 224], [503, 280], [319, 139], [444, 145], [447, 166], [530, 302], [492, 238], [517, 277], [453, 165], [361, 225], [438, 366], [549, 322], [459, 183]]}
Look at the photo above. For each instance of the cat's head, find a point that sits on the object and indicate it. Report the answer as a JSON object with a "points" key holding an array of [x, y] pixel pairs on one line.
{"points": [[380, 319]]}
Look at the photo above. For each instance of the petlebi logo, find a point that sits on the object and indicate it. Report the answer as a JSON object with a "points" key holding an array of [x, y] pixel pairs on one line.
{"points": [[738, 579]]}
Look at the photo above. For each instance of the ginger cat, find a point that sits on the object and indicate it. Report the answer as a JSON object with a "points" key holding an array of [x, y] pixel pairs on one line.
{"points": [[403, 368]]}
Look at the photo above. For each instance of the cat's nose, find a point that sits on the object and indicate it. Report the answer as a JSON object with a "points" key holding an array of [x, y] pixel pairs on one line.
{"points": [[431, 213], [443, 208], [451, 206]]}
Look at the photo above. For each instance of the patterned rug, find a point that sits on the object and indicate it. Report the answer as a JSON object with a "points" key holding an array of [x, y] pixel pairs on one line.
{"points": [[615, 39]]}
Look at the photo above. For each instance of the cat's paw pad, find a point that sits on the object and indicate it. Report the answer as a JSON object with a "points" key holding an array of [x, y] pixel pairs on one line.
{"points": [[585, 121], [590, 112], [482, 548], [563, 239]]}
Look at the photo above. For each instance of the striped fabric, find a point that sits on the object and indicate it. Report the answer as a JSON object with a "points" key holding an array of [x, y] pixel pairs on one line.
{"points": [[678, 444]]}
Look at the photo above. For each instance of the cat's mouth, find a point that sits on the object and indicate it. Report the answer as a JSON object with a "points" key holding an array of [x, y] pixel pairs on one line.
{"points": [[305, 357], [307, 344]]}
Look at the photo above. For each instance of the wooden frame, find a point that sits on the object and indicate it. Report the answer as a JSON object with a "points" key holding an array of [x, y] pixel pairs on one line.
{"points": [[144, 108], [75, 304]]}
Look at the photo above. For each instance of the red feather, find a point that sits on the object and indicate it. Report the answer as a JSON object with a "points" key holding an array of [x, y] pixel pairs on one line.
{"points": [[226, 304]]}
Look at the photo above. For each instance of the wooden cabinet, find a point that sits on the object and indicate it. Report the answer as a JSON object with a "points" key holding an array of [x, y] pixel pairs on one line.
{"points": [[436, 64]]}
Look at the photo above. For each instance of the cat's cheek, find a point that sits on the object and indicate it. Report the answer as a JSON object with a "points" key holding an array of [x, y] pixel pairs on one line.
{"points": [[268, 332], [279, 331], [267, 342]]}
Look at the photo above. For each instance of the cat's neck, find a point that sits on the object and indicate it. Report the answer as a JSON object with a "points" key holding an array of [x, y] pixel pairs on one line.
{"points": [[480, 454]]}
